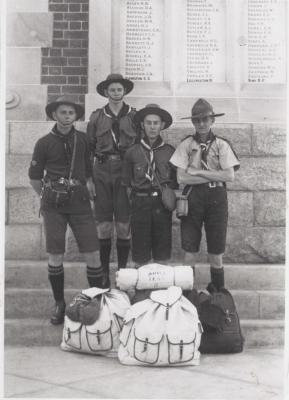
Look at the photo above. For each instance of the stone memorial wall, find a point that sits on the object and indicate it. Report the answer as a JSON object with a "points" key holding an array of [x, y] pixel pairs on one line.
{"points": [[142, 40], [230, 52], [206, 41], [266, 41]]}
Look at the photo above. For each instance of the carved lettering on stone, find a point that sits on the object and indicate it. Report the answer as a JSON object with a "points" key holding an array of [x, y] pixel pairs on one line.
{"points": [[142, 40], [266, 41], [206, 40]]}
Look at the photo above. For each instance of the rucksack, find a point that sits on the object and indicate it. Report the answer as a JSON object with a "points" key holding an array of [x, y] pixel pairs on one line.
{"points": [[93, 321], [221, 324], [163, 330]]}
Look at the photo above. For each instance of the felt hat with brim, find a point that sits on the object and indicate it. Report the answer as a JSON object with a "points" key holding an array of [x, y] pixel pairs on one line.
{"points": [[51, 107], [153, 109], [202, 108], [114, 78]]}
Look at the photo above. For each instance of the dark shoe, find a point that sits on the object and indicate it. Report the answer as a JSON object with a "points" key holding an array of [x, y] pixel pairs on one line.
{"points": [[59, 312]]}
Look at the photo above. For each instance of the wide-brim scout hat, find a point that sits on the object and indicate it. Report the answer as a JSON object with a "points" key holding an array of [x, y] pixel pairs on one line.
{"points": [[202, 108], [154, 109], [51, 107], [114, 78]]}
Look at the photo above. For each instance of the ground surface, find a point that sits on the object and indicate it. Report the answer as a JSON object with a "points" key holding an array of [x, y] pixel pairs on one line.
{"points": [[48, 372]]}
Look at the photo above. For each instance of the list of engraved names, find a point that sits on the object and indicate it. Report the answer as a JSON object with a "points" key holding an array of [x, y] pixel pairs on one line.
{"points": [[266, 41], [143, 41], [206, 41]]}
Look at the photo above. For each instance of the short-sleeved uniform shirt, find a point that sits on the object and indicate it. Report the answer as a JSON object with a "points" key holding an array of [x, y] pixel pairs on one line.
{"points": [[220, 155], [207, 205]]}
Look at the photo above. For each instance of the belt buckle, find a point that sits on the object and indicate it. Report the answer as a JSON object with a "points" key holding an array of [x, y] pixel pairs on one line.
{"points": [[212, 184]]}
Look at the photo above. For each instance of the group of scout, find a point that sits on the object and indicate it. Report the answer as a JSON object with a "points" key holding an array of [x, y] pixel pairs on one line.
{"points": [[114, 165]]}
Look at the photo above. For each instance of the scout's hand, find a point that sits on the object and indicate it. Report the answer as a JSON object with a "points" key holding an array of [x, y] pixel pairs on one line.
{"points": [[193, 171], [91, 188]]}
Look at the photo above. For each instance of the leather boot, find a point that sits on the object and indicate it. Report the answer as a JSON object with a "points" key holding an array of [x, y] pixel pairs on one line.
{"points": [[59, 312]]}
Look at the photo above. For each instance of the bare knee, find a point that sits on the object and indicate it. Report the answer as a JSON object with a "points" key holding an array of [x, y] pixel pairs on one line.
{"points": [[91, 259], [123, 230], [55, 259], [216, 260], [104, 230], [190, 258]]}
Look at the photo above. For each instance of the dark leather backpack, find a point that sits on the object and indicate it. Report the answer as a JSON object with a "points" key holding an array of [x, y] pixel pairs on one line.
{"points": [[220, 321]]}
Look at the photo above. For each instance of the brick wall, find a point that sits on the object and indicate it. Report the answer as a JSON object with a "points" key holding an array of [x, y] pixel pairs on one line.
{"points": [[64, 65]]}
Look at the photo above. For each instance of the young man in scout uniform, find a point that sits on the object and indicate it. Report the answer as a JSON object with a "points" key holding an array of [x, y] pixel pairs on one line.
{"points": [[205, 163], [151, 222], [111, 132], [65, 193]]}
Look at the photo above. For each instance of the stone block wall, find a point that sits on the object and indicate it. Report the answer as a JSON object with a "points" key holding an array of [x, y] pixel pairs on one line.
{"points": [[64, 64], [257, 201], [256, 232]]}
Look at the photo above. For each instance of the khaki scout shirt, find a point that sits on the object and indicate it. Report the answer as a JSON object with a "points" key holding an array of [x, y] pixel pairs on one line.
{"points": [[135, 167], [220, 155], [100, 135]]}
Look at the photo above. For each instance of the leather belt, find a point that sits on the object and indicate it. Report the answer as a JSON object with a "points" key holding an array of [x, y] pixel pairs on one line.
{"points": [[63, 181], [100, 159], [146, 194], [215, 184]]}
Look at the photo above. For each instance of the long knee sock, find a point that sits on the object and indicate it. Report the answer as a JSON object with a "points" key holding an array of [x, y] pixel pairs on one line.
{"points": [[56, 278], [104, 253], [94, 276], [123, 247], [217, 277]]}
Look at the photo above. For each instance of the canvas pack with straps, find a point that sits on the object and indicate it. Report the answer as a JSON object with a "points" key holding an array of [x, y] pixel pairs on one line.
{"points": [[221, 324], [169, 198], [93, 321], [163, 330]]}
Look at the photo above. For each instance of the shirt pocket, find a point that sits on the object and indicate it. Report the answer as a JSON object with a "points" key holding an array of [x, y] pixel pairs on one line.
{"points": [[126, 139], [104, 141], [163, 170], [139, 171]]}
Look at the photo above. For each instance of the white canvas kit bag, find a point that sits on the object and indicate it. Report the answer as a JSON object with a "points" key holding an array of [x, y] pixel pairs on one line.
{"points": [[102, 336], [161, 331]]}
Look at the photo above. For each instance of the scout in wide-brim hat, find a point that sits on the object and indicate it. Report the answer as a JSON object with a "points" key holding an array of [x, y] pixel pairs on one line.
{"points": [[154, 109], [51, 107], [114, 78], [202, 108]]}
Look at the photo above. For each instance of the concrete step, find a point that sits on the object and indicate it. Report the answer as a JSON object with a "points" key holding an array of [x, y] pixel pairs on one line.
{"points": [[39, 332], [38, 303], [33, 274]]}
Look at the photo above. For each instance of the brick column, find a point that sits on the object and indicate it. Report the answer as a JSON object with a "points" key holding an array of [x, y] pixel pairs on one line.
{"points": [[64, 65]]}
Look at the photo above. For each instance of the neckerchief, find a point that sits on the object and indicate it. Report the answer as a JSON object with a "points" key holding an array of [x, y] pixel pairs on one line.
{"points": [[156, 145], [67, 141], [115, 120], [205, 147]]}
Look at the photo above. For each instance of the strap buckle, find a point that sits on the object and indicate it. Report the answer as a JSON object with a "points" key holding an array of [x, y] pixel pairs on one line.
{"points": [[212, 184]]}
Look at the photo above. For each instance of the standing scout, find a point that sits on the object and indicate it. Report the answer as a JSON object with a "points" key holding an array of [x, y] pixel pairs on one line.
{"points": [[65, 193], [205, 163], [151, 222], [111, 132]]}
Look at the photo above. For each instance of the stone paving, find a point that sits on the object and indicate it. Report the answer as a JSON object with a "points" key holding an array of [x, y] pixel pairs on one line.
{"points": [[48, 372]]}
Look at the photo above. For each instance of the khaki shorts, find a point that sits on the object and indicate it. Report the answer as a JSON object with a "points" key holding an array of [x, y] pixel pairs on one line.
{"points": [[82, 225]]}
